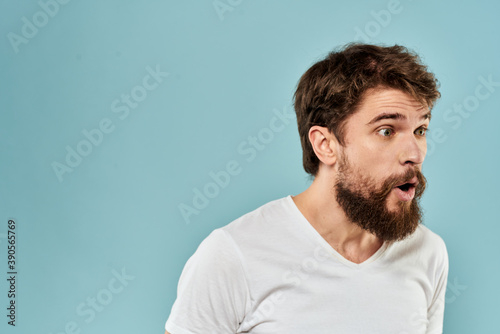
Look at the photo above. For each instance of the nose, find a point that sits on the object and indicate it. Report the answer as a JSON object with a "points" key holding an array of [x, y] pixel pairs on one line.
{"points": [[413, 151]]}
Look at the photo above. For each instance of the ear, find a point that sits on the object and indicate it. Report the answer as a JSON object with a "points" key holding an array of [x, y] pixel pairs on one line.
{"points": [[324, 144]]}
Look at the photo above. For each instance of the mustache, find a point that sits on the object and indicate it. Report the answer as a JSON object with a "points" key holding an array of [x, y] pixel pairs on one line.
{"points": [[394, 180]]}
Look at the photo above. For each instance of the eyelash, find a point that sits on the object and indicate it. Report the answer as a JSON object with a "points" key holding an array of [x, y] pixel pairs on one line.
{"points": [[421, 128]]}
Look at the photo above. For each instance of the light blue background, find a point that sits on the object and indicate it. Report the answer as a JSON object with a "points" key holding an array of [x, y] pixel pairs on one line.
{"points": [[120, 207]]}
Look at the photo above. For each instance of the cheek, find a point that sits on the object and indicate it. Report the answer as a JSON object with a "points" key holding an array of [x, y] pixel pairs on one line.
{"points": [[373, 157], [375, 163], [370, 163]]}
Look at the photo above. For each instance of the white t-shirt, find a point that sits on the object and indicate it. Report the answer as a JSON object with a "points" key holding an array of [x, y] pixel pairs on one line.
{"points": [[271, 272]]}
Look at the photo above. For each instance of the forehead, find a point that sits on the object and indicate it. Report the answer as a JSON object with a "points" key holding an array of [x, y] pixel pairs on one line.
{"points": [[375, 102]]}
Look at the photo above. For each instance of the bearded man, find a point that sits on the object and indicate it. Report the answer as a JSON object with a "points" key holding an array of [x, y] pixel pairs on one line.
{"points": [[350, 254]]}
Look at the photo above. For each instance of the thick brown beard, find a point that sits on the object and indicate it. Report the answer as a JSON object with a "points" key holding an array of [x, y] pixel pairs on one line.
{"points": [[371, 213]]}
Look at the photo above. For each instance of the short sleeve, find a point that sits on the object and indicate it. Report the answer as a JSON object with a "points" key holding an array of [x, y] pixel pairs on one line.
{"points": [[212, 294], [435, 312]]}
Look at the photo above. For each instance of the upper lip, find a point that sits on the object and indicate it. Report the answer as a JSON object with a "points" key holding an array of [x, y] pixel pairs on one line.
{"points": [[413, 182]]}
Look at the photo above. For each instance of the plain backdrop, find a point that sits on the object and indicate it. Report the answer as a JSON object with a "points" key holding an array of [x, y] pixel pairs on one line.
{"points": [[117, 117]]}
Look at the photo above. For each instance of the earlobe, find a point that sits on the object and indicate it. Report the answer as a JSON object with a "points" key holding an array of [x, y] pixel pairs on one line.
{"points": [[324, 144]]}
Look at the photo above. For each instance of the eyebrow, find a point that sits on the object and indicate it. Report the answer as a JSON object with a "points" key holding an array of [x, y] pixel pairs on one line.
{"points": [[395, 116]]}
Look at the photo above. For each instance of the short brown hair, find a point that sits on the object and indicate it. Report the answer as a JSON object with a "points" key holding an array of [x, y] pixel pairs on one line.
{"points": [[331, 90]]}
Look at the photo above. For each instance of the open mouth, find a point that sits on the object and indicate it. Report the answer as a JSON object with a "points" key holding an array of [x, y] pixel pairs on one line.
{"points": [[405, 187], [408, 185], [406, 191]]}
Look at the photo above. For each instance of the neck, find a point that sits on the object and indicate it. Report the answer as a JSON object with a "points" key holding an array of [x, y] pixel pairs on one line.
{"points": [[319, 206]]}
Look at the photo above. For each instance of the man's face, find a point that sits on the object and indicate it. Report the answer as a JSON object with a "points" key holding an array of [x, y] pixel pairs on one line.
{"points": [[385, 147]]}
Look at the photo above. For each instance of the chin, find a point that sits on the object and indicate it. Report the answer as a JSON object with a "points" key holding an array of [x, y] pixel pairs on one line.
{"points": [[397, 207], [396, 204]]}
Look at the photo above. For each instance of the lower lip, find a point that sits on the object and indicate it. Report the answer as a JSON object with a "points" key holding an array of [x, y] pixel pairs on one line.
{"points": [[405, 196]]}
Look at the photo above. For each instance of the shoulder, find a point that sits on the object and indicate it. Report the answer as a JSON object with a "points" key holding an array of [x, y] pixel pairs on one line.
{"points": [[430, 240], [267, 217], [424, 248], [429, 248], [225, 242], [217, 260], [217, 245]]}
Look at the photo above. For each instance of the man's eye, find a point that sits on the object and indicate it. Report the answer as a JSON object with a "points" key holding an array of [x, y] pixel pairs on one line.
{"points": [[421, 131], [386, 132]]}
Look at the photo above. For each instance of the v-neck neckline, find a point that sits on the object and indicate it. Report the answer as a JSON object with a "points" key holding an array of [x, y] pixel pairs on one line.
{"points": [[314, 234]]}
